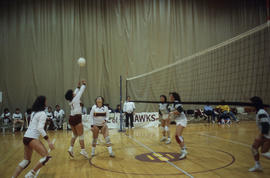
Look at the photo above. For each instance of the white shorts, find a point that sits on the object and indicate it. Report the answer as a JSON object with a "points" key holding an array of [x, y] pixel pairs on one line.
{"points": [[165, 116], [182, 122]]}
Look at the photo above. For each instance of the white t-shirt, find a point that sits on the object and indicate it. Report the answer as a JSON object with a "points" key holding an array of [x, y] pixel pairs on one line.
{"points": [[17, 116], [263, 116], [129, 107], [5, 115], [75, 103], [59, 114], [49, 115], [99, 115], [36, 127], [163, 108]]}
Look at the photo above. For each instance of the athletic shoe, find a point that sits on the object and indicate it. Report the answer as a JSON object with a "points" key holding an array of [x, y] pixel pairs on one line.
{"points": [[257, 167], [183, 154], [112, 155], [30, 174], [84, 153], [71, 153], [163, 139], [228, 122], [168, 141]]}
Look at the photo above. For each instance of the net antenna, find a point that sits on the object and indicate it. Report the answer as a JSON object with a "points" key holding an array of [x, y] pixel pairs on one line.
{"points": [[234, 70]]}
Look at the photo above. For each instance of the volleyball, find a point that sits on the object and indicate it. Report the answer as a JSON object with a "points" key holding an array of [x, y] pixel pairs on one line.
{"points": [[81, 62]]}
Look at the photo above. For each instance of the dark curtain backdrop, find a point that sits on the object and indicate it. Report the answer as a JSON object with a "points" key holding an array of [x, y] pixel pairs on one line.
{"points": [[40, 42]]}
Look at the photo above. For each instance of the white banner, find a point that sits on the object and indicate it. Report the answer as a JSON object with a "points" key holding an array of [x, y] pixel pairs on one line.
{"points": [[142, 120]]}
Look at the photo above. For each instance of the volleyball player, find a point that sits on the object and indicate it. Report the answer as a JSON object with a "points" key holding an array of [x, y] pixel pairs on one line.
{"points": [[75, 118], [263, 138], [99, 115], [165, 121], [31, 139], [177, 111]]}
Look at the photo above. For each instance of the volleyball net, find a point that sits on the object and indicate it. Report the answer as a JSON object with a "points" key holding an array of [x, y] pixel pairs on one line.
{"points": [[234, 71]]}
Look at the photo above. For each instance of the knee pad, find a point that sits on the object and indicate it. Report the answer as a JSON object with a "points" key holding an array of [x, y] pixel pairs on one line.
{"points": [[167, 128], [254, 151], [24, 163], [74, 136], [107, 139], [94, 142], [81, 137], [179, 139], [45, 159]]}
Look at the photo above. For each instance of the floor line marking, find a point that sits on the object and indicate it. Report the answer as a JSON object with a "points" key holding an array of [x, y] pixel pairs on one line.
{"points": [[149, 149], [227, 140]]}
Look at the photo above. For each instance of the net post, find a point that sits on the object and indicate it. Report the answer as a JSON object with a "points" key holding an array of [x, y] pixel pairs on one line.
{"points": [[126, 89], [121, 113]]}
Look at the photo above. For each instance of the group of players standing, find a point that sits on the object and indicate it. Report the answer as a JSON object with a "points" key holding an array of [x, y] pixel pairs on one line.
{"points": [[99, 116], [175, 111]]}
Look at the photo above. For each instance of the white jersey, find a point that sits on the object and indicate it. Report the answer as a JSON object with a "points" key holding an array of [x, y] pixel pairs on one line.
{"points": [[261, 117], [49, 115], [129, 107], [17, 116], [36, 127], [180, 119], [99, 115], [59, 114], [163, 108], [76, 101]]}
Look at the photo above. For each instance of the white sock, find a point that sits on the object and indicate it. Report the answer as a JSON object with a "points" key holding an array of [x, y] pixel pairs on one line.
{"points": [[93, 150], [183, 148], [109, 149], [70, 148]]}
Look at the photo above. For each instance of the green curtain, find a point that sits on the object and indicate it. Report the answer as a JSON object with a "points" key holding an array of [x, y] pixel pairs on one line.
{"points": [[40, 42]]}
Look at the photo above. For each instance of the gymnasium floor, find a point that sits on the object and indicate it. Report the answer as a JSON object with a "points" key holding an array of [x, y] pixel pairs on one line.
{"points": [[214, 151]]}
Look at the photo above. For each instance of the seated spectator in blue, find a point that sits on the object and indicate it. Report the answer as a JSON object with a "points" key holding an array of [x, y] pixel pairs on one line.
{"points": [[118, 109], [209, 111], [6, 116]]}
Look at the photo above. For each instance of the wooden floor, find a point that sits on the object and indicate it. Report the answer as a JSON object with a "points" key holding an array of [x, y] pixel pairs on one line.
{"points": [[214, 151]]}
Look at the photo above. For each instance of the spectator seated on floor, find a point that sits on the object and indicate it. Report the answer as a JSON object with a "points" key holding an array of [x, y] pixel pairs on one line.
{"points": [[49, 121], [118, 109], [6, 117], [59, 116], [198, 113], [225, 110], [17, 118], [209, 112]]}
